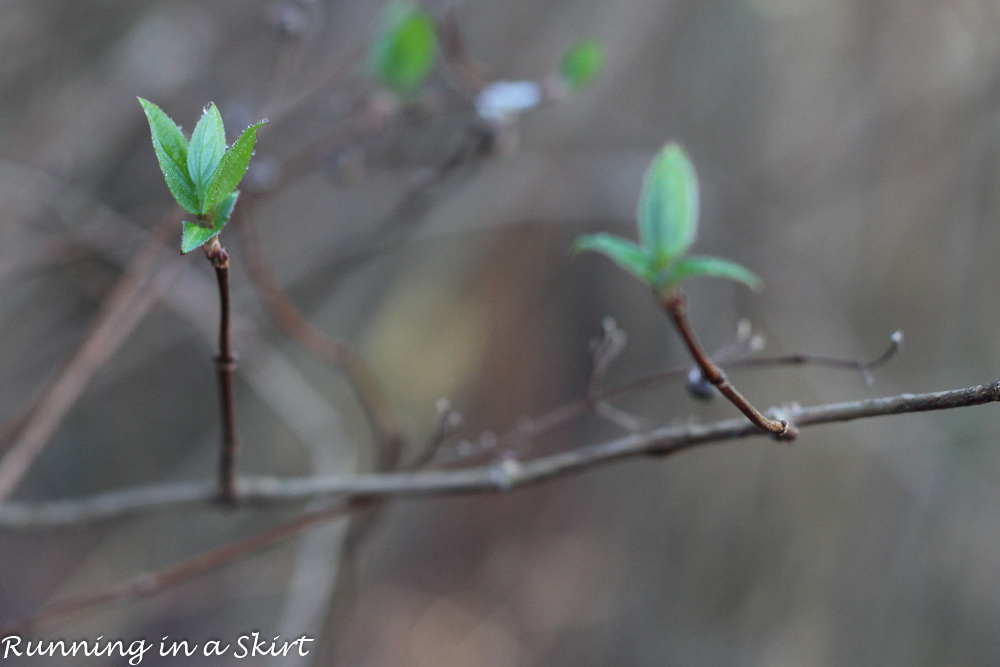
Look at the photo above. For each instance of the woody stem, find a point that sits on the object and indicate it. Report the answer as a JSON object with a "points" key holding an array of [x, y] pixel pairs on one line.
{"points": [[675, 306]]}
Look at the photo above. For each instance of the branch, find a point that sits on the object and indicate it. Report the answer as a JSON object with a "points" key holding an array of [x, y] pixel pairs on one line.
{"points": [[121, 311], [145, 585], [532, 427], [502, 476], [225, 366], [674, 305], [374, 403]]}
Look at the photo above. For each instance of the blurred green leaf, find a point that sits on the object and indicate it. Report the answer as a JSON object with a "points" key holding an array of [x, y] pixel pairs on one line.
{"points": [[668, 224], [668, 205], [208, 145], [171, 149], [195, 236], [404, 49], [582, 63], [706, 267], [622, 252], [231, 168]]}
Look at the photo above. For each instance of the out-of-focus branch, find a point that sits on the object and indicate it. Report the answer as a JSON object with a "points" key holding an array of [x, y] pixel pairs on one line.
{"points": [[534, 427], [364, 490], [373, 400], [149, 584], [123, 309], [391, 231], [864, 367], [502, 476]]}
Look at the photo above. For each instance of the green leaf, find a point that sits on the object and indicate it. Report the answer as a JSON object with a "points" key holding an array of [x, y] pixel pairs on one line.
{"points": [[224, 209], [582, 63], [165, 132], [622, 252], [404, 49], [208, 145], [707, 267], [195, 236], [668, 205], [171, 149], [231, 169]]}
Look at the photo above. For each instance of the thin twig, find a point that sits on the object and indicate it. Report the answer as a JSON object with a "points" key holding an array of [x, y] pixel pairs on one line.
{"points": [[796, 359], [258, 492], [364, 490], [402, 221], [674, 305], [603, 352], [565, 413], [865, 367], [225, 365]]}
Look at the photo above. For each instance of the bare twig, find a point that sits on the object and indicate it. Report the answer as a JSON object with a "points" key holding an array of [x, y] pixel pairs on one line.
{"points": [[624, 420], [797, 359], [537, 426], [392, 230], [509, 474], [364, 490], [446, 424], [225, 365], [122, 310], [674, 305], [865, 367], [604, 351]]}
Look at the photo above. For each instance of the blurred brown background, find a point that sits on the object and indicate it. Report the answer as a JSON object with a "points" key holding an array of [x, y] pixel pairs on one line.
{"points": [[848, 153]]}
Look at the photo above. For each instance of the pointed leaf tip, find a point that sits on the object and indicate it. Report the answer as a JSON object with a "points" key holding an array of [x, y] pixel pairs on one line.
{"points": [[208, 145], [668, 205], [171, 148], [231, 168]]}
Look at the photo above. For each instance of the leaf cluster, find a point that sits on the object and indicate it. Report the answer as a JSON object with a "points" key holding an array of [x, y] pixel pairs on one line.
{"points": [[668, 225], [202, 173]]}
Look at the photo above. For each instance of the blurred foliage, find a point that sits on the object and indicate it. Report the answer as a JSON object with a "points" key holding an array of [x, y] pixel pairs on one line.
{"points": [[404, 49], [582, 63]]}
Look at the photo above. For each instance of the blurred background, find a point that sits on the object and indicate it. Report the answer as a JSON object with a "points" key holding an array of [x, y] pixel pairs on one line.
{"points": [[848, 152]]}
